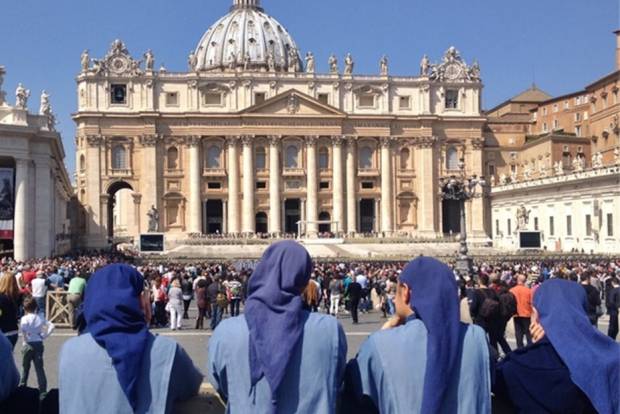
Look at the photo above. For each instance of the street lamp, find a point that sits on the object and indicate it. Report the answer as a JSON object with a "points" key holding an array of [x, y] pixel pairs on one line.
{"points": [[461, 188]]}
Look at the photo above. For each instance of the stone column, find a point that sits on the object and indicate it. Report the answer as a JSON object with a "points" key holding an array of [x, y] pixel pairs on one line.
{"points": [[195, 189], [233, 185], [149, 188], [249, 225], [338, 185], [137, 200], [275, 212], [96, 227], [21, 236], [427, 184], [351, 186], [43, 220], [224, 216], [387, 197], [478, 230], [312, 204]]}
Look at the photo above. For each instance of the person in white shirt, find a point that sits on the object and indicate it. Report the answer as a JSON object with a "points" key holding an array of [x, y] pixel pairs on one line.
{"points": [[39, 291], [35, 330]]}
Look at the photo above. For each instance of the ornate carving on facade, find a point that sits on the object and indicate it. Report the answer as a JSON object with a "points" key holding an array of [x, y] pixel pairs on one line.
{"points": [[292, 105], [387, 142], [425, 66], [118, 62], [193, 140], [597, 160], [85, 61], [149, 60], [351, 139], [232, 140], [349, 64], [311, 140], [310, 63], [333, 64], [94, 140], [46, 110], [21, 97], [452, 68], [427, 142], [477, 143], [274, 140], [247, 140], [150, 140], [338, 140]]}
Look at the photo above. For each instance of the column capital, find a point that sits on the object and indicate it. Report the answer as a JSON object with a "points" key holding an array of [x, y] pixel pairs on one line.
{"points": [[193, 141], [104, 198], [477, 143], [137, 198], [247, 140], [338, 140], [274, 140], [94, 140], [387, 142], [232, 140], [311, 139], [351, 139], [150, 140], [427, 142]]}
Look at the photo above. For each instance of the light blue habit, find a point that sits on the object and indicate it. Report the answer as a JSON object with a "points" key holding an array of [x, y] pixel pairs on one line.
{"points": [[9, 376], [89, 383], [312, 380], [392, 367]]}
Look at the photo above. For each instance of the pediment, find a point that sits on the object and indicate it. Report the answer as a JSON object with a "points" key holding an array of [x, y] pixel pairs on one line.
{"points": [[293, 103]]}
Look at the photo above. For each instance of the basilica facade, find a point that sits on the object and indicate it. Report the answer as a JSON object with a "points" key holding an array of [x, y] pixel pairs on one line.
{"points": [[254, 139]]}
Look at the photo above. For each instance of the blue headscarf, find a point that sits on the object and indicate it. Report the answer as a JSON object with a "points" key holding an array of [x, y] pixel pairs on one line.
{"points": [[434, 299], [592, 358], [274, 311], [116, 321]]}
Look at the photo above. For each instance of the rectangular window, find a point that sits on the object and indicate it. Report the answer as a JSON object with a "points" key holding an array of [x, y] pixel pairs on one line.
{"points": [[452, 99], [261, 185], [509, 227], [367, 101], [259, 98], [213, 98], [555, 108], [545, 128], [368, 185], [578, 131], [172, 99], [491, 169], [588, 225], [404, 102], [610, 225], [536, 223], [214, 186], [545, 111], [569, 225], [556, 124], [551, 226], [118, 94], [565, 105], [497, 227], [577, 116], [324, 98], [324, 185]]}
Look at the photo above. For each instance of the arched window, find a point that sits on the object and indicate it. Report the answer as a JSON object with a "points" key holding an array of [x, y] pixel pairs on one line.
{"points": [[214, 157], [292, 157], [261, 158], [323, 158], [172, 158], [405, 159], [82, 163], [452, 159], [365, 161], [119, 157]]}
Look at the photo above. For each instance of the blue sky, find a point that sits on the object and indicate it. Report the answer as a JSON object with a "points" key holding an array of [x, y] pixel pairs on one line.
{"points": [[564, 44]]}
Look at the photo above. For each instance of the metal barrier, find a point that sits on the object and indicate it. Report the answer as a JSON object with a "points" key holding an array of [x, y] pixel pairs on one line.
{"points": [[58, 309]]}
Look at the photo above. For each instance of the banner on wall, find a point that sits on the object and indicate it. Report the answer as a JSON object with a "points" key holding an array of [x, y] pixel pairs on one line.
{"points": [[7, 203]]}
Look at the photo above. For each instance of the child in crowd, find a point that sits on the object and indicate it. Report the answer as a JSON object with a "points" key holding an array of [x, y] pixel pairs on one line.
{"points": [[35, 329]]}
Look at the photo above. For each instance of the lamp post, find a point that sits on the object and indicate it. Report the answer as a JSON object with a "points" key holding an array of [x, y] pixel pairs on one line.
{"points": [[461, 188]]}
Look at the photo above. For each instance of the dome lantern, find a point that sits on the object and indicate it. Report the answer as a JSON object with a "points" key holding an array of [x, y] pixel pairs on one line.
{"points": [[246, 4]]}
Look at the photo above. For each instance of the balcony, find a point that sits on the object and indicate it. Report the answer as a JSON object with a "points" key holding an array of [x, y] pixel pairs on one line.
{"points": [[120, 172], [368, 172], [214, 172], [294, 172]]}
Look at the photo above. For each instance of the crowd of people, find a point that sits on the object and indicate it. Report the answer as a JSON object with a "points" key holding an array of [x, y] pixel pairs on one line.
{"points": [[431, 347]]}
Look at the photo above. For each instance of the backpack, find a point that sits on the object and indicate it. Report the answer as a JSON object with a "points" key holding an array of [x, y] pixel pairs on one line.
{"points": [[507, 305], [221, 300], [490, 307]]}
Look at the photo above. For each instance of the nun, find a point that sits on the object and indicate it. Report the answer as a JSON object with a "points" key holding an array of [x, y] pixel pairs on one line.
{"points": [[424, 360], [571, 367], [117, 365], [278, 357]]}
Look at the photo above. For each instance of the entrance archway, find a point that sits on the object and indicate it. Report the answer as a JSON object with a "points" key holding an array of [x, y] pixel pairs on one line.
{"points": [[292, 214], [261, 223], [325, 227], [215, 217], [120, 210], [451, 213], [367, 216]]}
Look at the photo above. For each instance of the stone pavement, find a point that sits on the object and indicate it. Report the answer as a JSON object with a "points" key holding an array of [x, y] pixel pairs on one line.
{"points": [[195, 342]]}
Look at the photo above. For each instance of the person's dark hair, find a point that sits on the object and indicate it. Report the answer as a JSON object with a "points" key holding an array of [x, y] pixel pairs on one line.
{"points": [[201, 284], [615, 281], [30, 305], [483, 279], [585, 277]]}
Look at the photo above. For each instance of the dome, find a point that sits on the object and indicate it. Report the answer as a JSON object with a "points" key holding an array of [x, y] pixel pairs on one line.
{"points": [[249, 39]]}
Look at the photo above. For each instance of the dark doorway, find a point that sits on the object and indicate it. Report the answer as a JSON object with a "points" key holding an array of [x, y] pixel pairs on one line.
{"points": [[292, 214], [451, 212], [215, 217], [367, 216], [325, 227], [261, 223], [112, 190]]}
